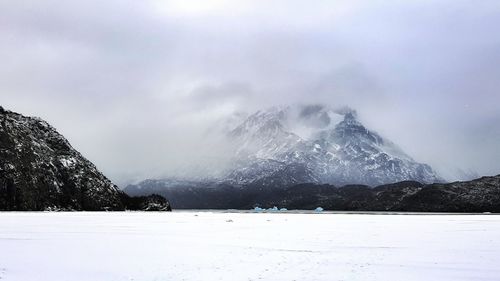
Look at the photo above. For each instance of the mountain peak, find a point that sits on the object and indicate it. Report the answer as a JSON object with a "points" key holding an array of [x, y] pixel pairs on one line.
{"points": [[350, 129], [350, 119], [350, 116], [340, 153]]}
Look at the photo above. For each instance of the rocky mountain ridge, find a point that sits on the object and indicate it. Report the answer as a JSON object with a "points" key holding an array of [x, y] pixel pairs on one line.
{"points": [[480, 195], [40, 170]]}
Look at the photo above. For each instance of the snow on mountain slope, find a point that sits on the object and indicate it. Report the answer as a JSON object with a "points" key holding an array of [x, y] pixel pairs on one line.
{"points": [[263, 135], [283, 146], [338, 153]]}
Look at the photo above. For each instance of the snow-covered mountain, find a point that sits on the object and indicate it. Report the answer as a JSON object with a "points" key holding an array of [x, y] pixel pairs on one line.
{"points": [[289, 145], [284, 146]]}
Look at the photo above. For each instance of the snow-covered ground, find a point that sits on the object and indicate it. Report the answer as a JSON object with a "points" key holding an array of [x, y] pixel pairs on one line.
{"points": [[247, 246]]}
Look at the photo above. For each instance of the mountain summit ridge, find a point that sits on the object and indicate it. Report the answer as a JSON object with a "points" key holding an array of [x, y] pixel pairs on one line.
{"points": [[342, 153]]}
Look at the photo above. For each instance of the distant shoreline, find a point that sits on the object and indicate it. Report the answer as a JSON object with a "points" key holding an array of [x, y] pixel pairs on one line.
{"points": [[292, 212]]}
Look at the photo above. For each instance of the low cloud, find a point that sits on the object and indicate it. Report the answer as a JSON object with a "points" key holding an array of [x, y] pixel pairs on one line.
{"points": [[143, 88]]}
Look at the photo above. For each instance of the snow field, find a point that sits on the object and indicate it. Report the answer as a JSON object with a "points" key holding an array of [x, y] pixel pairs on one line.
{"points": [[247, 246]]}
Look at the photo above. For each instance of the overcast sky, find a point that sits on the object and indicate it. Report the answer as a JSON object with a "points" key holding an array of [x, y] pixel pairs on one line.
{"points": [[136, 85]]}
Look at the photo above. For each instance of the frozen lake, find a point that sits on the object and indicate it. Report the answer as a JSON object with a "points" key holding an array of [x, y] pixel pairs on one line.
{"points": [[193, 245]]}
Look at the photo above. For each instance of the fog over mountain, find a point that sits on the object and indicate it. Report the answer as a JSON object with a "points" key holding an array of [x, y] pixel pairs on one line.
{"points": [[147, 89]]}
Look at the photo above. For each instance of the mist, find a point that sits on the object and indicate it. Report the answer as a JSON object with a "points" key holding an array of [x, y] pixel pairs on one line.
{"points": [[145, 89]]}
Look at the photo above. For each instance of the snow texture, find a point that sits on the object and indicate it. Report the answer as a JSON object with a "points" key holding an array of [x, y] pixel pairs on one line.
{"points": [[247, 246]]}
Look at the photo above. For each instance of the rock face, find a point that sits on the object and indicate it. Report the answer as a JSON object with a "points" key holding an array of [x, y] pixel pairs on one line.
{"points": [[39, 170]]}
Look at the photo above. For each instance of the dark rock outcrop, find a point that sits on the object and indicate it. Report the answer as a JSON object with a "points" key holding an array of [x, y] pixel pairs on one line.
{"points": [[479, 195], [40, 170], [152, 202]]}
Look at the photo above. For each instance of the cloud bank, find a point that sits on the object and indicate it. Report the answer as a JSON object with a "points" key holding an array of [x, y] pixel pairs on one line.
{"points": [[138, 86]]}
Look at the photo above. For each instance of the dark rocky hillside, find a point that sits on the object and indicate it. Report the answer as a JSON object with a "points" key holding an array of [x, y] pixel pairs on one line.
{"points": [[39, 170], [153, 202], [480, 195]]}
